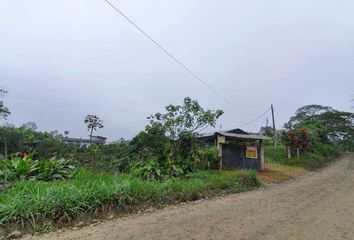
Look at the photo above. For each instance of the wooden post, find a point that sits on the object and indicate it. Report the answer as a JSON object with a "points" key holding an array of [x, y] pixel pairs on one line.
{"points": [[262, 154], [297, 152], [220, 139], [274, 131], [288, 151]]}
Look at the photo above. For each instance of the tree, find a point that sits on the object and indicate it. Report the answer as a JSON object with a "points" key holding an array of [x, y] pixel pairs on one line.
{"points": [[56, 135], [30, 125], [4, 111], [267, 131], [307, 114], [189, 117], [299, 138], [93, 123], [182, 123], [169, 147], [11, 140], [330, 125]]}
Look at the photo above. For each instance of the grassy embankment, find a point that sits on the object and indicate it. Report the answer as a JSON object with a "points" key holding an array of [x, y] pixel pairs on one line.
{"points": [[279, 168], [35, 203]]}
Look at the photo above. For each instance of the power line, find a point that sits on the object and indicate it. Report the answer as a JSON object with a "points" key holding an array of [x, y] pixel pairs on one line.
{"points": [[168, 53], [73, 105], [34, 99], [253, 120]]}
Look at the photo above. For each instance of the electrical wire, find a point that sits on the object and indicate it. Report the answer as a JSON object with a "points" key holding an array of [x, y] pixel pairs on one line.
{"points": [[34, 99], [253, 120], [168, 53]]}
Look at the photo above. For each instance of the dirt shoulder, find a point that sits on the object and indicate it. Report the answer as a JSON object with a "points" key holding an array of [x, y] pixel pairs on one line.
{"points": [[319, 205]]}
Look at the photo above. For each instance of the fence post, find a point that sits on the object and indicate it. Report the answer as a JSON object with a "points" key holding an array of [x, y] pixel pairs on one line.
{"points": [[262, 154], [288, 151]]}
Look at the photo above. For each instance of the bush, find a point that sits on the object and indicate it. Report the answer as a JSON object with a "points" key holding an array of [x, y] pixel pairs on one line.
{"points": [[208, 157], [16, 169], [172, 167], [318, 156]]}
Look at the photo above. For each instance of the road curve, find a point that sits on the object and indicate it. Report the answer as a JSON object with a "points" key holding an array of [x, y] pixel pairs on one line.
{"points": [[319, 205]]}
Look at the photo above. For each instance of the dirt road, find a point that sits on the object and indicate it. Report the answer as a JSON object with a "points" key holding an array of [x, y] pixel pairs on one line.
{"points": [[317, 206]]}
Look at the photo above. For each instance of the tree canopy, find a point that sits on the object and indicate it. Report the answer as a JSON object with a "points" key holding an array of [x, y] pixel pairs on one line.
{"points": [[4, 111], [330, 125], [93, 123], [187, 118]]}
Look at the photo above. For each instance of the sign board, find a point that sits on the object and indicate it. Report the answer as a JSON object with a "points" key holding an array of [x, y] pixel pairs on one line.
{"points": [[221, 139], [251, 152]]}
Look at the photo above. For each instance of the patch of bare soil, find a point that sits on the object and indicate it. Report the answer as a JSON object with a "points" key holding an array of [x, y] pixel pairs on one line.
{"points": [[277, 173], [319, 205]]}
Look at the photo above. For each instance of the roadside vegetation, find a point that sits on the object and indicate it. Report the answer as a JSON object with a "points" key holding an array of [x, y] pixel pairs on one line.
{"points": [[61, 201], [42, 179], [314, 136]]}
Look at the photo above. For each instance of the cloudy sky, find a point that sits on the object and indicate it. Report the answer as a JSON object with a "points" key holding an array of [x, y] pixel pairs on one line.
{"points": [[61, 60]]}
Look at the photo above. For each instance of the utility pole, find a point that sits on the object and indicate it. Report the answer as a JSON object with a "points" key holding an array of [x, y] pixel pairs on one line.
{"points": [[274, 132], [2, 93]]}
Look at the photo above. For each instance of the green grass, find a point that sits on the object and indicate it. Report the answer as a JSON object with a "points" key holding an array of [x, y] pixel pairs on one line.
{"points": [[318, 156], [275, 155], [30, 202]]}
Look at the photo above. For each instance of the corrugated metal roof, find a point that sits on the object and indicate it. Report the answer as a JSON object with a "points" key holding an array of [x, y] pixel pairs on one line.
{"points": [[244, 136], [201, 135], [235, 130], [231, 133]]}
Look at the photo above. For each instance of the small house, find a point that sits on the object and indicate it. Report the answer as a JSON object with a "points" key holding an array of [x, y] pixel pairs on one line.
{"points": [[237, 149], [85, 142]]}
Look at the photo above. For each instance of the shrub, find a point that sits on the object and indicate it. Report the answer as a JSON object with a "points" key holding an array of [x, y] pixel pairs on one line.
{"points": [[16, 169], [208, 157], [172, 167], [318, 156]]}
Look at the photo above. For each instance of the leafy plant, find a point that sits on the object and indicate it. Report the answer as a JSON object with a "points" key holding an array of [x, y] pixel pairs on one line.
{"points": [[208, 157], [169, 147], [17, 168]]}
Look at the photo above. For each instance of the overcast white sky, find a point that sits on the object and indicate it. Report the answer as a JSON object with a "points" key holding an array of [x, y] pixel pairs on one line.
{"points": [[82, 54]]}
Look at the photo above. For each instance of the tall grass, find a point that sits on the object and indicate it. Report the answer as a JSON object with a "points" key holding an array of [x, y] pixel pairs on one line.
{"points": [[275, 155], [29, 202], [317, 156]]}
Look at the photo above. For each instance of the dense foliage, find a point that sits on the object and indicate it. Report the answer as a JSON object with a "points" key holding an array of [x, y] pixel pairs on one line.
{"points": [[16, 168], [328, 125], [298, 138], [318, 132], [4, 111], [169, 147]]}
